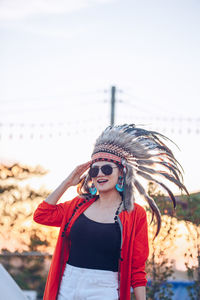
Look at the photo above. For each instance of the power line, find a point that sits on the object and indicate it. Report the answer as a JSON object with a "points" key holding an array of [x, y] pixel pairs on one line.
{"points": [[78, 125], [52, 130], [164, 118], [53, 97], [147, 105]]}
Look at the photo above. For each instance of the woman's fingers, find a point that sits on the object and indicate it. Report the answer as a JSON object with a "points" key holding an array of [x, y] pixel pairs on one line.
{"points": [[88, 163], [79, 170], [75, 177], [83, 167]]}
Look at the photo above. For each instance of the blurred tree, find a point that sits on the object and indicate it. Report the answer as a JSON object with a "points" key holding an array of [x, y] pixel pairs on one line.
{"points": [[28, 268], [20, 172], [159, 267], [17, 204], [187, 211], [22, 241]]}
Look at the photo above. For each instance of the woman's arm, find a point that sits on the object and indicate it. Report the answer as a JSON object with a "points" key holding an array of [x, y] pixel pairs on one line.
{"points": [[48, 212], [140, 293], [71, 180], [57, 194], [50, 215]]}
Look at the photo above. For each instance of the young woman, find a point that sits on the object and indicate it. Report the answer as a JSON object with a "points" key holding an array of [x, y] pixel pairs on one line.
{"points": [[102, 245]]}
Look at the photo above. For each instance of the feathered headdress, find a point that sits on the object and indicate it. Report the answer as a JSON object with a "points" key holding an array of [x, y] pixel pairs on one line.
{"points": [[142, 153]]}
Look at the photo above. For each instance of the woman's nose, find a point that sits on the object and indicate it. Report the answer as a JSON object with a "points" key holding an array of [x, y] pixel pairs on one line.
{"points": [[100, 173]]}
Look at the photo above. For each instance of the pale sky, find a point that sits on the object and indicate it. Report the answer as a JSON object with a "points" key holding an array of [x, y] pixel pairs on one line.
{"points": [[59, 59]]}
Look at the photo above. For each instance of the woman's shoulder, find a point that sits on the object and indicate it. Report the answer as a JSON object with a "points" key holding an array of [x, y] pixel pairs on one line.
{"points": [[78, 200], [139, 208], [138, 211], [73, 202]]}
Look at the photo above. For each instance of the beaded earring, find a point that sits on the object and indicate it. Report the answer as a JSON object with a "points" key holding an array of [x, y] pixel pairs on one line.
{"points": [[93, 189], [120, 185]]}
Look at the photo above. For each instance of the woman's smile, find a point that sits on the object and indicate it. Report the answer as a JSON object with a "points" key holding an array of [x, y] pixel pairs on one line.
{"points": [[102, 181]]}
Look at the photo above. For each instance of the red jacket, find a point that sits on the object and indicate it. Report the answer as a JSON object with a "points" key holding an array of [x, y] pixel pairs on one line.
{"points": [[134, 251]]}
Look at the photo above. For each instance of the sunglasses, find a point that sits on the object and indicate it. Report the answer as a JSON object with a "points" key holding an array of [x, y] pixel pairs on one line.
{"points": [[105, 169]]}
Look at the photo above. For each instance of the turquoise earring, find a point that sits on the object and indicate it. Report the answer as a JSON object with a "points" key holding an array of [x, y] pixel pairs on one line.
{"points": [[120, 185], [92, 189]]}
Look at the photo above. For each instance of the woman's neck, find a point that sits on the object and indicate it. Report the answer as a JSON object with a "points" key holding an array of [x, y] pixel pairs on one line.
{"points": [[109, 199]]}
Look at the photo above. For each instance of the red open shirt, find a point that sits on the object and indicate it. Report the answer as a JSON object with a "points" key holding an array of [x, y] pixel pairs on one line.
{"points": [[134, 250]]}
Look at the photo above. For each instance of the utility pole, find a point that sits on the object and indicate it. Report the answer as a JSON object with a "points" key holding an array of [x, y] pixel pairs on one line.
{"points": [[112, 119]]}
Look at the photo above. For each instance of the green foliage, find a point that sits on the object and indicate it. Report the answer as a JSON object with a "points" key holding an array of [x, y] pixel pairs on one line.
{"points": [[193, 274], [29, 268], [159, 273], [194, 291], [189, 209], [159, 268], [36, 241], [28, 271], [28, 275], [17, 206]]}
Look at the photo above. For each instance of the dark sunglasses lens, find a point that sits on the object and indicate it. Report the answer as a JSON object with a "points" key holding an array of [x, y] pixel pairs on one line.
{"points": [[107, 169], [93, 172]]}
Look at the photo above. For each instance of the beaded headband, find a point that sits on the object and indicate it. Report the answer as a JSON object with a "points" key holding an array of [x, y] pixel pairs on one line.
{"points": [[113, 149], [106, 156]]}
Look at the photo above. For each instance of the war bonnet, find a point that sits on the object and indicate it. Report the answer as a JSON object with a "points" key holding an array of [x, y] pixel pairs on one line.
{"points": [[142, 154]]}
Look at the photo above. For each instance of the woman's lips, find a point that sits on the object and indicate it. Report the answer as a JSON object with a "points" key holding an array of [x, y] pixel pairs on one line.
{"points": [[102, 181]]}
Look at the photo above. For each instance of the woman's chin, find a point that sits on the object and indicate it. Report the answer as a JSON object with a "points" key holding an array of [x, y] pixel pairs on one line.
{"points": [[104, 189]]}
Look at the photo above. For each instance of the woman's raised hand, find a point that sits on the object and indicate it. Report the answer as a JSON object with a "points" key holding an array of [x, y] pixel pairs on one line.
{"points": [[75, 177], [72, 179]]}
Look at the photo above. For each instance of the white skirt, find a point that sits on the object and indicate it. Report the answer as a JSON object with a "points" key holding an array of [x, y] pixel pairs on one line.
{"points": [[88, 284]]}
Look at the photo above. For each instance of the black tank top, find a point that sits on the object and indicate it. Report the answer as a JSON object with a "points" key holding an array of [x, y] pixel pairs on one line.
{"points": [[94, 245]]}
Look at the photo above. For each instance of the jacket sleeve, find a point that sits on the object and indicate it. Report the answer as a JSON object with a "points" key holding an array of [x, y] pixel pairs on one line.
{"points": [[49, 214], [140, 251]]}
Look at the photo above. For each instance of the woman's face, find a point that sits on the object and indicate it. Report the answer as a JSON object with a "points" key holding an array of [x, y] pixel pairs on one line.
{"points": [[103, 182]]}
